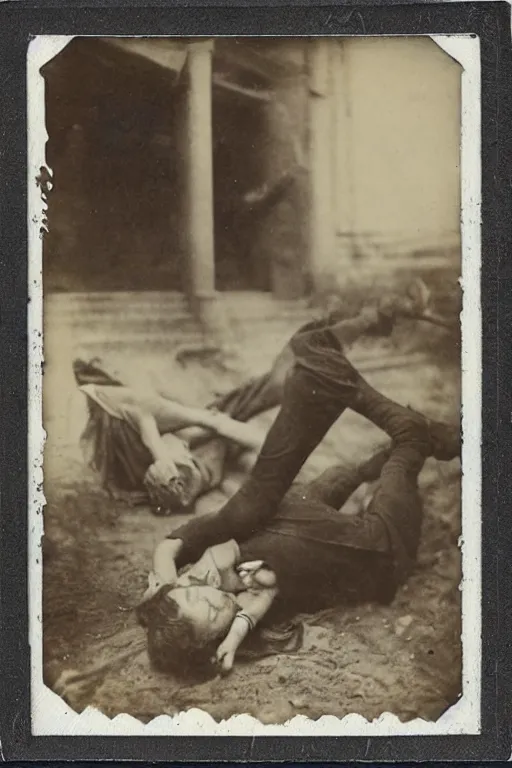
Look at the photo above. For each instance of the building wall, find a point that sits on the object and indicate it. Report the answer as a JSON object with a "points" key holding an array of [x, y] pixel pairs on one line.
{"points": [[403, 103], [395, 139], [367, 127]]}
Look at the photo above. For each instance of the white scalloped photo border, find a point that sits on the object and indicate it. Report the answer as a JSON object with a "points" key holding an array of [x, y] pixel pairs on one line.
{"points": [[50, 715]]}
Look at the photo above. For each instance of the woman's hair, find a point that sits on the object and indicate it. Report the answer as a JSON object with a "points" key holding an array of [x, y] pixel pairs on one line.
{"points": [[174, 646], [170, 495]]}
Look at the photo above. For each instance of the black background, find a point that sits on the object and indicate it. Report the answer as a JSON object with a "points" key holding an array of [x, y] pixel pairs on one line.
{"points": [[19, 21]]}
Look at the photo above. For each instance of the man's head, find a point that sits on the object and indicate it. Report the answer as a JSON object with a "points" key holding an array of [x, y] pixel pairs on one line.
{"points": [[184, 627], [173, 483]]}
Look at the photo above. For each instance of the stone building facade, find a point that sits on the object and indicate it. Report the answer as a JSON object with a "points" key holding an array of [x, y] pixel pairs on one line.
{"points": [[202, 166]]}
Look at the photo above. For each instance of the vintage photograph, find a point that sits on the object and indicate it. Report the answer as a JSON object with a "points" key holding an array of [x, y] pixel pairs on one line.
{"points": [[251, 271]]}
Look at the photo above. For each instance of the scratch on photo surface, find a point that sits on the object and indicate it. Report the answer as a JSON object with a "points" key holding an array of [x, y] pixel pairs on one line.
{"points": [[252, 746]]}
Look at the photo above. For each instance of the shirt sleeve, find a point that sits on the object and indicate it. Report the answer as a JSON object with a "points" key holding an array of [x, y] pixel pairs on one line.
{"points": [[246, 513]]}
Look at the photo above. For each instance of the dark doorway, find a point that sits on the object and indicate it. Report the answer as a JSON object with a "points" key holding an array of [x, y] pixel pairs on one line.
{"points": [[116, 210], [240, 169]]}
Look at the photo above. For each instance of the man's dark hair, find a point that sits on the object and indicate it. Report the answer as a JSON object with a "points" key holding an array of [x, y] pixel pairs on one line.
{"points": [[173, 644]]}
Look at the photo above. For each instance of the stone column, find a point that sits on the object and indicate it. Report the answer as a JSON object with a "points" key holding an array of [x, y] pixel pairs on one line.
{"points": [[200, 180], [284, 237]]}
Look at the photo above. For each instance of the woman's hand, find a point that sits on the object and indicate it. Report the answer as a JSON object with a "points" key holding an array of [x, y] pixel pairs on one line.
{"points": [[154, 584], [225, 656], [226, 651], [164, 565]]}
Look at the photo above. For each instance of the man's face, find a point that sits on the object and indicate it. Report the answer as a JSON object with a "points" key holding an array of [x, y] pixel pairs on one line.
{"points": [[210, 610]]}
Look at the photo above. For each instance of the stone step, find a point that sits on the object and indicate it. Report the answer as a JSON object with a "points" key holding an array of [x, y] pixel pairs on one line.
{"points": [[105, 297], [138, 313], [114, 325], [245, 306], [154, 323]]}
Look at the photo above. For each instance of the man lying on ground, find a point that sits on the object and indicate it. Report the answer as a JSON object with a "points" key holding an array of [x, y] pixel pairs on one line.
{"points": [[309, 557], [296, 551], [143, 444]]}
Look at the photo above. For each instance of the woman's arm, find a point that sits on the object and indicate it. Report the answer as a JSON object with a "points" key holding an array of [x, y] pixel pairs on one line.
{"points": [[255, 604], [164, 557], [246, 435], [147, 428], [178, 417], [164, 567]]}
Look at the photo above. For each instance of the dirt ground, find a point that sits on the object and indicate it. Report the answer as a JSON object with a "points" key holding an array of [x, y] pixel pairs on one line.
{"points": [[404, 658]]}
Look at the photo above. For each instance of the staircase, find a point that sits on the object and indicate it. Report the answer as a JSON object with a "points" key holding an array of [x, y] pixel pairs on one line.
{"points": [[122, 318], [147, 328], [159, 318], [153, 325]]}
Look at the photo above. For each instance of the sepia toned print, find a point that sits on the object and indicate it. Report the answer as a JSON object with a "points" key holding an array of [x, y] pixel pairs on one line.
{"points": [[252, 377]]}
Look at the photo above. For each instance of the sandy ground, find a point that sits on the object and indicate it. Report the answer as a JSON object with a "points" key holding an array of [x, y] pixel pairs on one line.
{"points": [[404, 658]]}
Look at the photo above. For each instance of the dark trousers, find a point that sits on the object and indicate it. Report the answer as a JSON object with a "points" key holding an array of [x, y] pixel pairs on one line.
{"points": [[395, 510], [320, 386], [323, 558]]}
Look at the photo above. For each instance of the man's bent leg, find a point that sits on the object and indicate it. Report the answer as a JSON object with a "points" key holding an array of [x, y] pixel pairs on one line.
{"points": [[304, 418], [259, 394], [320, 353], [307, 346], [404, 425], [398, 503], [322, 384], [337, 484]]}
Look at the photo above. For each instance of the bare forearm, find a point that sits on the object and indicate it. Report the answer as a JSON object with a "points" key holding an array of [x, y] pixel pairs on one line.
{"points": [[254, 607], [239, 630], [227, 649], [198, 421], [246, 435], [151, 437], [164, 560]]}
